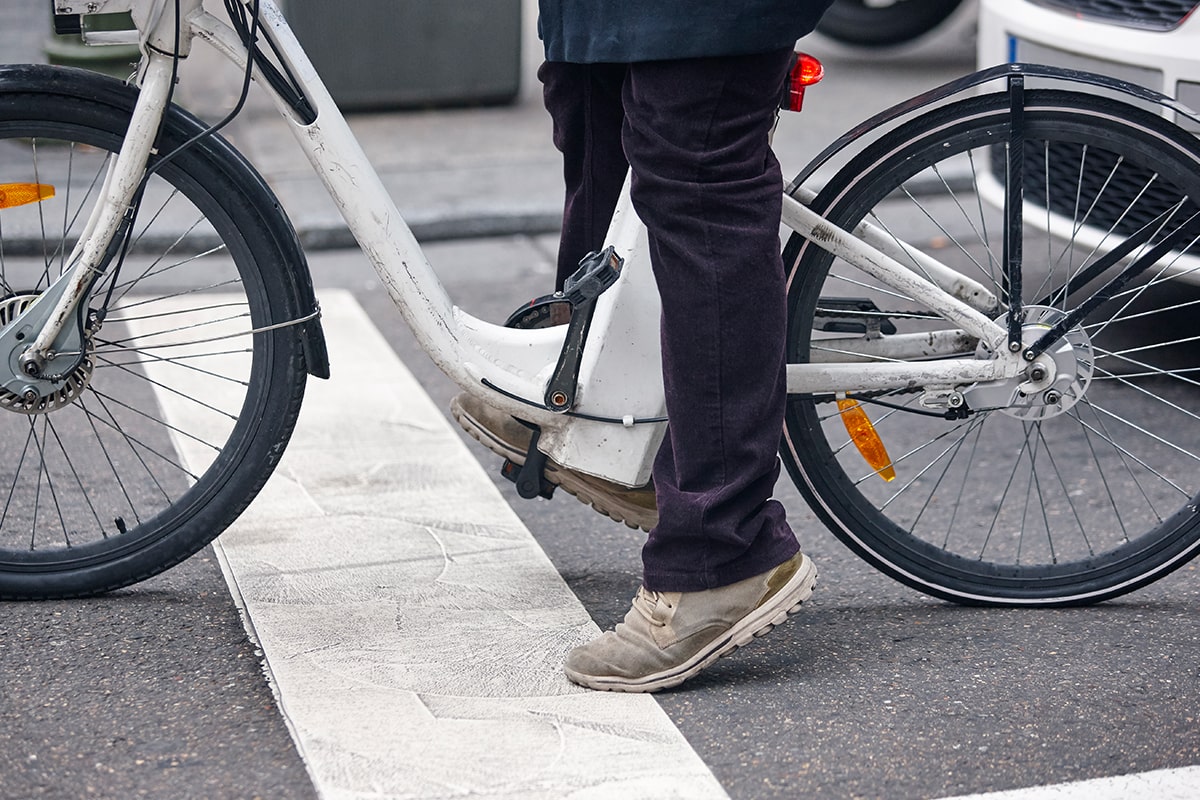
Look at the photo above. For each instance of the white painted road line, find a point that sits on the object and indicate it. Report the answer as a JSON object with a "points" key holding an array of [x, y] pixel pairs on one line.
{"points": [[411, 626], [413, 630], [1163, 784]]}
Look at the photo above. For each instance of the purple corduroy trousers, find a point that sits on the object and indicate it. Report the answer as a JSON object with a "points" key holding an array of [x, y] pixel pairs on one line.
{"points": [[695, 133]]}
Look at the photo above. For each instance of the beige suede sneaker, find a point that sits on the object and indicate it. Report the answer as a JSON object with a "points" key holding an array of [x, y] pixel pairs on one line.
{"points": [[506, 437], [667, 637]]}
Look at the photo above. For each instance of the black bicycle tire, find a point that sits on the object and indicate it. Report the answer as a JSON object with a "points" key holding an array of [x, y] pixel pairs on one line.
{"points": [[853, 23], [217, 184], [807, 454]]}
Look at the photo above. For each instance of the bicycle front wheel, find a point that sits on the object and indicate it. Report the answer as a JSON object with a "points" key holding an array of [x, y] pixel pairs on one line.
{"points": [[183, 395], [1075, 482]]}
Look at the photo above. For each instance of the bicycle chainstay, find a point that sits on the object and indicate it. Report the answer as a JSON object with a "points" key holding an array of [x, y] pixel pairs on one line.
{"points": [[866, 314]]}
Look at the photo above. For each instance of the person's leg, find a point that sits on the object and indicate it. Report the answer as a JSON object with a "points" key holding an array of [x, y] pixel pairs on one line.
{"points": [[584, 101], [721, 566], [705, 181]]}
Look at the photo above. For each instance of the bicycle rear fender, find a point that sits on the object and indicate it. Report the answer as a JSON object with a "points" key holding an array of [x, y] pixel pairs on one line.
{"points": [[300, 300], [1084, 81]]}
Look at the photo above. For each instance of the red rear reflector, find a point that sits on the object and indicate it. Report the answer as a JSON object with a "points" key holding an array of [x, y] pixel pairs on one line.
{"points": [[805, 72]]}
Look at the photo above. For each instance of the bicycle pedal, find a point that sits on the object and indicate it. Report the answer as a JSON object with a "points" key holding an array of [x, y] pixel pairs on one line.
{"points": [[513, 472], [597, 271]]}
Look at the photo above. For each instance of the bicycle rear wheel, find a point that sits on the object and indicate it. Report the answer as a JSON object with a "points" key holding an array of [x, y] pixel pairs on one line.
{"points": [[1068, 491], [181, 403]]}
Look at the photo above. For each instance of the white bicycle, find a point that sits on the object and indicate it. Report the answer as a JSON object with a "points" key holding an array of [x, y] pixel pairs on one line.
{"points": [[1001, 278]]}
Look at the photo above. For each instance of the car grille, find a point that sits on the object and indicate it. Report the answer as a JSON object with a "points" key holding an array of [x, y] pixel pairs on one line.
{"points": [[1102, 186], [1158, 15]]}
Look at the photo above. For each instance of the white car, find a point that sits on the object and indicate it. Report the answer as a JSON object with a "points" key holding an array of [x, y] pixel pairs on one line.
{"points": [[1153, 43]]}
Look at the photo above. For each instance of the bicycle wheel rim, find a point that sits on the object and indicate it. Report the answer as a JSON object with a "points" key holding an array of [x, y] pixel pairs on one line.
{"points": [[978, 543]]}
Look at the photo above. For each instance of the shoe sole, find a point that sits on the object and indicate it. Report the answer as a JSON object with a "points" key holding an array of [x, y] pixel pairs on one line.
{"points": [[575, 484], [756, 624]]}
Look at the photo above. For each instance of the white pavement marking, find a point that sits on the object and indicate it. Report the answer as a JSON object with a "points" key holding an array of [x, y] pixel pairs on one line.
{"points": [[411, 626], [1163, 784], [413, 630]]}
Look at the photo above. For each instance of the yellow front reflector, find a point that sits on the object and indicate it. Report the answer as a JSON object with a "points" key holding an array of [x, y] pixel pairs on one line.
{"points": [[863, 434], [19, 194]]}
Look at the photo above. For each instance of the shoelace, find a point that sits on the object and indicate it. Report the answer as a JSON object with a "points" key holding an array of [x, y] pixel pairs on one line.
{"points": [[646, 604]]}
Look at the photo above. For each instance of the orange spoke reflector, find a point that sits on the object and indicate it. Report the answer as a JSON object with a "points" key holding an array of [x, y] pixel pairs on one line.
{"points": [[19, 194], [863, 434]]}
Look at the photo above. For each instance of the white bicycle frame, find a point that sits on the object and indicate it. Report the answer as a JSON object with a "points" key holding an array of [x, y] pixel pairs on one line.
{"points": [[616, 425]]}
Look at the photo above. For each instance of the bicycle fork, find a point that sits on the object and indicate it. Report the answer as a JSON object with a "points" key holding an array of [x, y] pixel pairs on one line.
{"points": [[46, 341]]}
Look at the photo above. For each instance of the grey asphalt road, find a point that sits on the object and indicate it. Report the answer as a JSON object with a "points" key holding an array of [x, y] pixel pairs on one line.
{"points": [[153, 691]]}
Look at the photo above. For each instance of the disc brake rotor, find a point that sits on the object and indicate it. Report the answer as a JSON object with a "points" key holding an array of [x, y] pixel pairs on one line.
{"points": [[1049, 386], [42, 397]]}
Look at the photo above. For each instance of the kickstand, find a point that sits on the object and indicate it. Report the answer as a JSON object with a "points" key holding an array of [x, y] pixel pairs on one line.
{"points": [[530, 478]]}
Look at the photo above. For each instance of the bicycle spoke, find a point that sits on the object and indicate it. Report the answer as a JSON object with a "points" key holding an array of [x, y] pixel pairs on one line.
{"points": [[8, 502], [180, 361], [158, 420], [75, 476], [137, 447]]}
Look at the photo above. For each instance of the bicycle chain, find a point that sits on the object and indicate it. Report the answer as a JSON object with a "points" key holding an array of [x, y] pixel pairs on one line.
{"points": [[877, 313]]}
